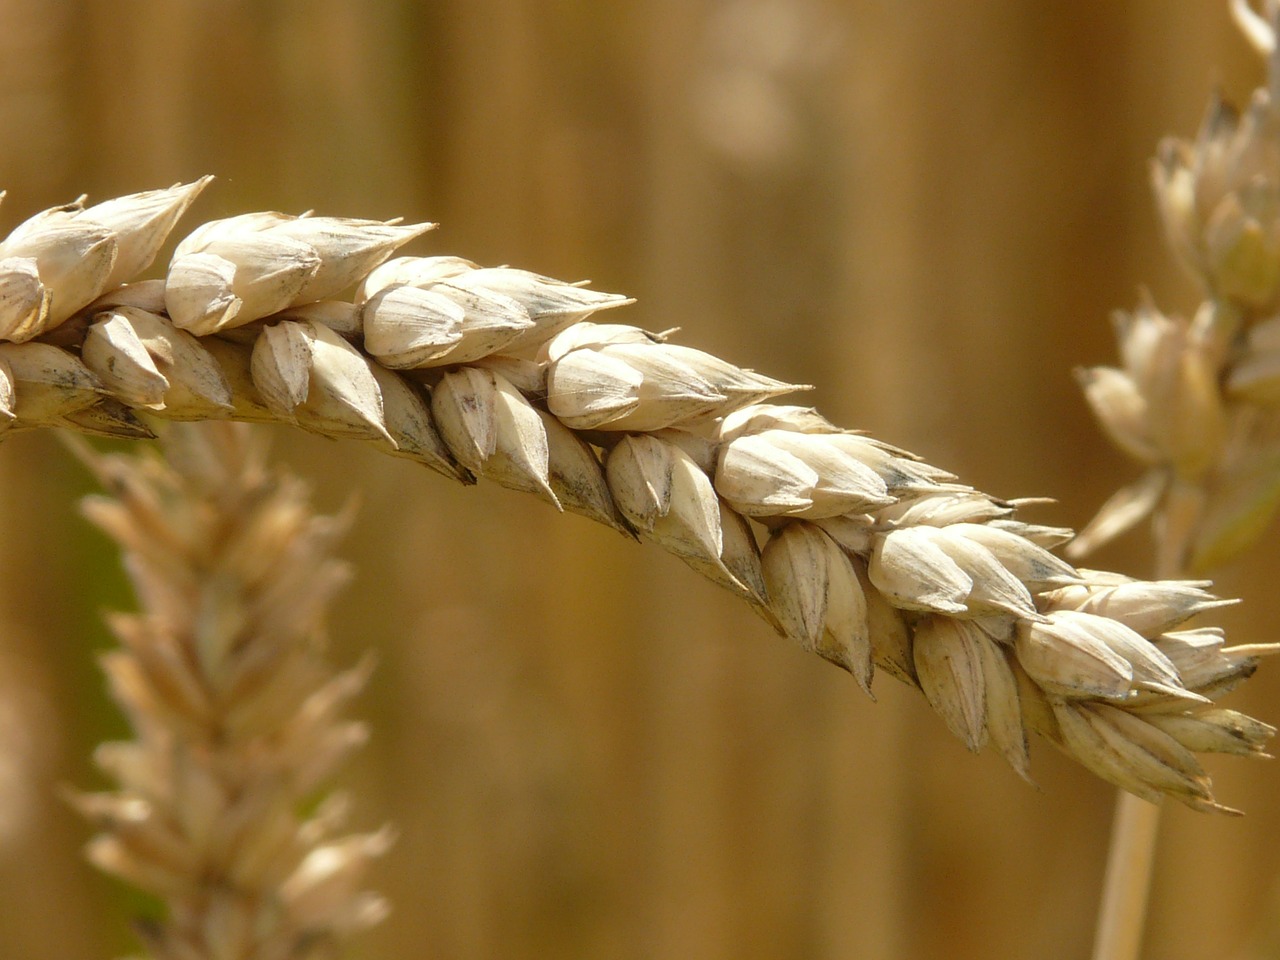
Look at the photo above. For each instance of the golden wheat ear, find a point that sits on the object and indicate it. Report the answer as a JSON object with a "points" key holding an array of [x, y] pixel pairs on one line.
{"points": [[237, 718], [857, 550]]}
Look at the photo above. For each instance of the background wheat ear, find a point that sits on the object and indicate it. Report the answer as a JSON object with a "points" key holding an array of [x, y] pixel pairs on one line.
{"points": [[221, 808]]}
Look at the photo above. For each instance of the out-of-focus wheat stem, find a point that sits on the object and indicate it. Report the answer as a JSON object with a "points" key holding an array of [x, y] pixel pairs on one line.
{"points": [[218, 809], [1127, 885]]}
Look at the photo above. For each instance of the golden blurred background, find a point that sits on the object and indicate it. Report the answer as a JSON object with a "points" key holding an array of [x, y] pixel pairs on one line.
{"points": [[927, 208]]}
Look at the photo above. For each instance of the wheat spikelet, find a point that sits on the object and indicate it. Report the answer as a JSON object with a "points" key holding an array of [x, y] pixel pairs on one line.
{"points": [[857, 550], [236, 716]]}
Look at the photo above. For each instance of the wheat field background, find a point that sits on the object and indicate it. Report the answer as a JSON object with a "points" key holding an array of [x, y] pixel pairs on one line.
{"points": [[927, 209]]}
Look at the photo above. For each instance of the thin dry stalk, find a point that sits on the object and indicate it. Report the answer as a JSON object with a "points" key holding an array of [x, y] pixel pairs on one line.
{"points": [[219, 810], [1197, 402], [1127, 885]]}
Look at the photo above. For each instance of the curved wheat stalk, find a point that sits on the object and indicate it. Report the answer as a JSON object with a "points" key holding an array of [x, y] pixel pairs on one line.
{"points": [[857, 550]]}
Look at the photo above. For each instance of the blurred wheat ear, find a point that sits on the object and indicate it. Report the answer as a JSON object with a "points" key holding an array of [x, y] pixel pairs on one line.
{"points": [[219, 808]]}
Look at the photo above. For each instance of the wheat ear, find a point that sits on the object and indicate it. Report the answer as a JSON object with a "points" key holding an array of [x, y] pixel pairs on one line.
{"points": [[235, 713], [871, 557]]}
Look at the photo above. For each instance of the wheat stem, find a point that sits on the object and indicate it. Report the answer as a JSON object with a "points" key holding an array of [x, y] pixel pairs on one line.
{"points": [[1127, 885]]}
